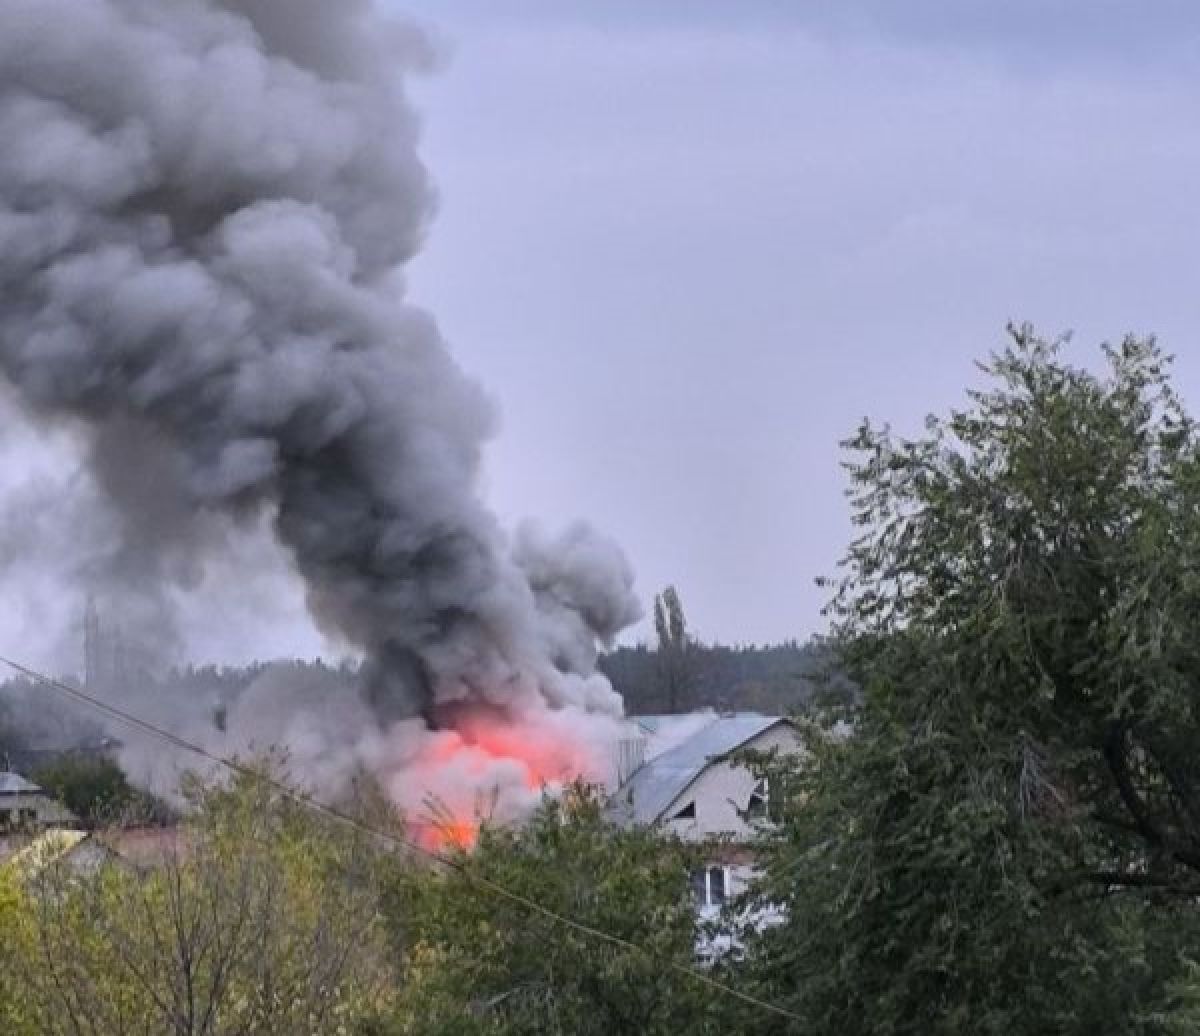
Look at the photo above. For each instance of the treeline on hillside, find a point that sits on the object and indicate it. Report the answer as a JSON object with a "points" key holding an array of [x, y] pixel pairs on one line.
{"points": [[772, 678], [681, 673]]}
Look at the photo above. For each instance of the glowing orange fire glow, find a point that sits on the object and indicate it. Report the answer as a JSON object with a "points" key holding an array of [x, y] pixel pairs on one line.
{"points": [[485, 758], [449, 834]]}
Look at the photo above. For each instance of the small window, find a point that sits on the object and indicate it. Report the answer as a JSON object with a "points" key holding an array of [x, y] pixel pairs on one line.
{"points": [[716, 886], [760, 797], [709, 886], [687, 813]]}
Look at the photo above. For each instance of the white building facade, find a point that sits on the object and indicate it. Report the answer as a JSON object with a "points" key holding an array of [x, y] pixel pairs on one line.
{"points": [[692, 783]]}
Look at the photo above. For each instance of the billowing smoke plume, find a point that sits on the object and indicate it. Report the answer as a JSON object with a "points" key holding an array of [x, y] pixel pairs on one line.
{"points": [[204, 211]]}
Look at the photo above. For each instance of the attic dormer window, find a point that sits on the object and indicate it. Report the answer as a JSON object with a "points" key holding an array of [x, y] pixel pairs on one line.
{"points": [[687, 813], [759, 799]]}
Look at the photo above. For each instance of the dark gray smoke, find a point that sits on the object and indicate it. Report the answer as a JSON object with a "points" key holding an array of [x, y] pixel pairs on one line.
{"points": [[205, 209]]}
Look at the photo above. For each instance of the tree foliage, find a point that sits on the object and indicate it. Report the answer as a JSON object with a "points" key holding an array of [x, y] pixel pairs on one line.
{"points": [[96, 790], [478, 962], [1010, 839], [259, 920], [16, 942]]}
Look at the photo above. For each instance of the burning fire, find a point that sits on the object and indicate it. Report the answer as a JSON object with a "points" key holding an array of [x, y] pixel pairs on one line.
{"points": [[448, 834], [490, 765]]}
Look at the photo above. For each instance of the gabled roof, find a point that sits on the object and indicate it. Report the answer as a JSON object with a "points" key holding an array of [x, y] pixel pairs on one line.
{"points": [[654, 786], [15, 784]]}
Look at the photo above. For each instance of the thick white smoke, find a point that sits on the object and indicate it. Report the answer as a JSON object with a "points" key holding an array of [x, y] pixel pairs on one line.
{"points": [[205, 208]]}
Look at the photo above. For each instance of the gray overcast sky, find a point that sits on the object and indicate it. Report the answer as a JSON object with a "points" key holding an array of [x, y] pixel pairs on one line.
{"points": [[688, 246]]}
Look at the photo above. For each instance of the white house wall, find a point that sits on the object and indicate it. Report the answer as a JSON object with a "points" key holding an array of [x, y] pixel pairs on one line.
{"points": [[722, 791]]}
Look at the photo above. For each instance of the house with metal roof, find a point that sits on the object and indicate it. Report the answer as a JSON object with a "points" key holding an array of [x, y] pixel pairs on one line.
{"points": [[690, 784], [24, 805], [689, 781]]}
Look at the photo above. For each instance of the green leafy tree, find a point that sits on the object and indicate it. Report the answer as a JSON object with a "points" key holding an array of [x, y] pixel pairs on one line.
{"points": [[1009, 841], [478, 962], [259, 920], [97, 791], [16, 942]]}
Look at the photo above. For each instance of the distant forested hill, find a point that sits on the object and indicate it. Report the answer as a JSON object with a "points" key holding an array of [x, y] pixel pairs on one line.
{"points": [[773, 678]]}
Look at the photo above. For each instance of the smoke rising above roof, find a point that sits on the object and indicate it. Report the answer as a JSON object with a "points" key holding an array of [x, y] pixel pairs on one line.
{"points": [[205, 209]]}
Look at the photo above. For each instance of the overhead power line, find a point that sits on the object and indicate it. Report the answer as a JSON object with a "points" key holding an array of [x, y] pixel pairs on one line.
{"points": [[325, 809]]}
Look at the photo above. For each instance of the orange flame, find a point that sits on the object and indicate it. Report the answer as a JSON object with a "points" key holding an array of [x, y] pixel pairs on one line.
{"points": [[481, 745], [451, 833]]}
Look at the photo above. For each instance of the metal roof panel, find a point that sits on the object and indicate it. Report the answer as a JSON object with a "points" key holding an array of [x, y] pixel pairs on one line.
{"points": [[646, 795]]}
